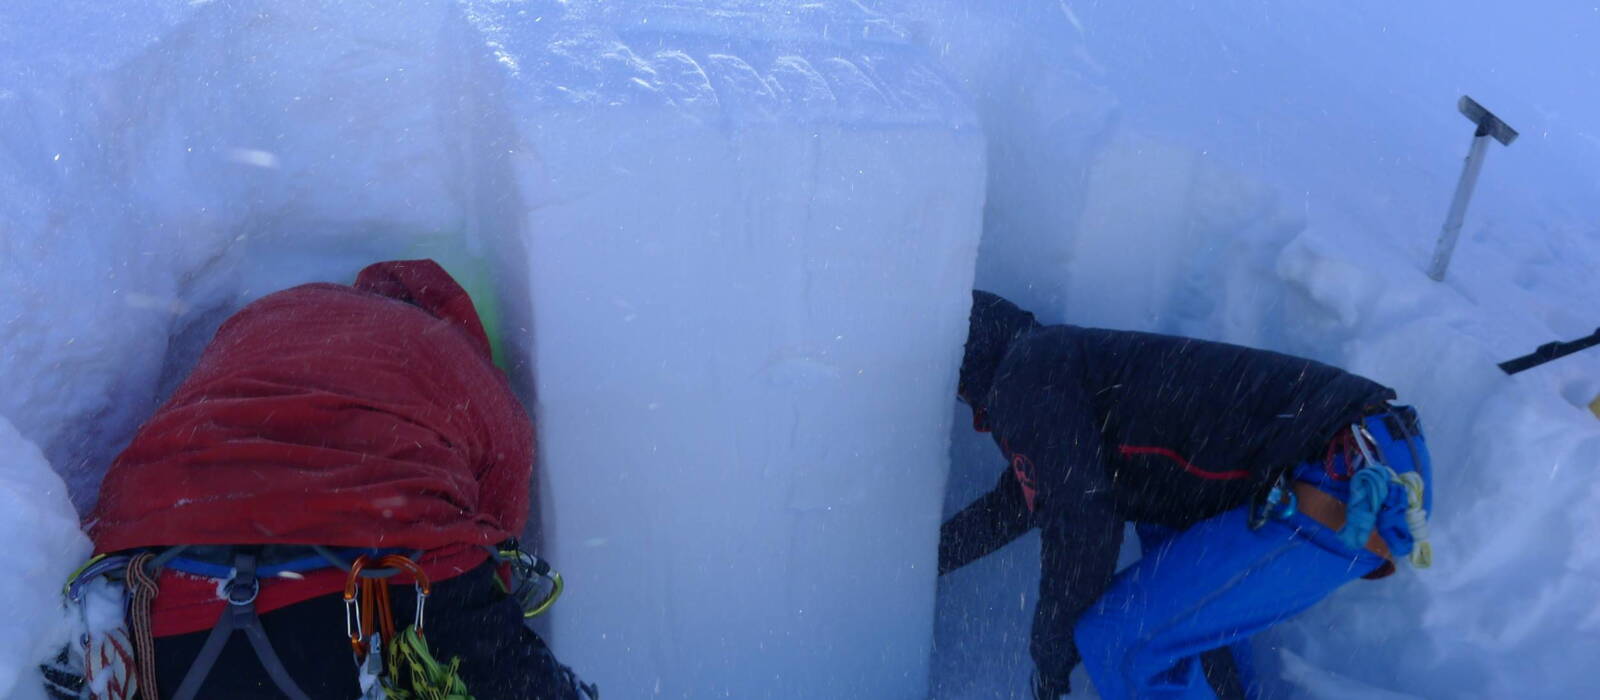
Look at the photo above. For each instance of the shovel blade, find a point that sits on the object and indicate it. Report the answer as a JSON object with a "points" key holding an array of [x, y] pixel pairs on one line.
{"points": [[1487, 122]]}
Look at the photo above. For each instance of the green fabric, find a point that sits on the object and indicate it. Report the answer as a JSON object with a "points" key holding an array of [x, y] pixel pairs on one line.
{"points": [[475, 275]]}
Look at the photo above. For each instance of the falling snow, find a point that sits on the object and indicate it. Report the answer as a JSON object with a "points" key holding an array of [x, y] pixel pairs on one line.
{"points": [[731, 243]]}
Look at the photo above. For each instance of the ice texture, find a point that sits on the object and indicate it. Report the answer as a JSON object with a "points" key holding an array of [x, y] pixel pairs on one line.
{"points": [[748, 263], [730, 242]]}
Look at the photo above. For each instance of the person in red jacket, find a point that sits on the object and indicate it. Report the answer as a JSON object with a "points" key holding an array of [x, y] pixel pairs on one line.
{"points": [[365, 418]]}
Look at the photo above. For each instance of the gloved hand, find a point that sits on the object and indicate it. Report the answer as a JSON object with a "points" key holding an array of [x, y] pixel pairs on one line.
{"points": [[1049, 688]]}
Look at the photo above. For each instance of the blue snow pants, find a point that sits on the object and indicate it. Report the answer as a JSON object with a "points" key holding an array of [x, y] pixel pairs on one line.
{"points": [[1215, 585]]}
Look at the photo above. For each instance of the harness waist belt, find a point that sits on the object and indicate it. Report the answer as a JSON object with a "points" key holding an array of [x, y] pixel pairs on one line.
{"points": [[1329, 511]]}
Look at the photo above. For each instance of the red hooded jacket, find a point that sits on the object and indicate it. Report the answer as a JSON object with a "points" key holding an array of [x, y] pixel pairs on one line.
{"points": [[365, 416]]}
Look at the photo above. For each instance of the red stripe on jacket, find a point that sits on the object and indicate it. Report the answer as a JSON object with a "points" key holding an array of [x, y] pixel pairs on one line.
{"points": [[1131, 450]]}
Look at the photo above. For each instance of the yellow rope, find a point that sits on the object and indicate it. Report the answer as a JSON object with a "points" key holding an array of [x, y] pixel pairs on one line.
{"points": [[1417, 519]]}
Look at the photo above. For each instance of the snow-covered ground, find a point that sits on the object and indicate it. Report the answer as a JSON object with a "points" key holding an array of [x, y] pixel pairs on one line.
{"points": [[731, 242]]}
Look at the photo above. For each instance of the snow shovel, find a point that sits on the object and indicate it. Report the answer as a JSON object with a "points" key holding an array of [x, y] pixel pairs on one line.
{"points": [[1550, 351], [1489, 126]]}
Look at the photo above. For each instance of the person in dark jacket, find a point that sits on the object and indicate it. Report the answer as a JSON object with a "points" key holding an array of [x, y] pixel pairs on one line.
{"points": [[367, 418], [1235, 464]]}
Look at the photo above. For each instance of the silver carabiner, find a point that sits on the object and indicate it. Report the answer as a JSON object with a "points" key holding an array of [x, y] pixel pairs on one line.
{"points": [[351, 612], [422, 604]]}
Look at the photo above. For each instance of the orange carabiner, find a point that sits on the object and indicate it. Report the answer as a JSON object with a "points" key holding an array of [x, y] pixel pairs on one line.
{"points": [[424, 587], [367, 606]]}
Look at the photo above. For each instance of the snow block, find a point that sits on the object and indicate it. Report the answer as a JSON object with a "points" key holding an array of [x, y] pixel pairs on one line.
{"points": [[750, 249], [43, 546]]}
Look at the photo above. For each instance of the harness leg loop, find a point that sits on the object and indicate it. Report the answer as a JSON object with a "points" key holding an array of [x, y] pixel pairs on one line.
{"points": [[240, 614]]}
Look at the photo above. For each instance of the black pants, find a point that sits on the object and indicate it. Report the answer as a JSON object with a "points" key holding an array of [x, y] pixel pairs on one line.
{"points": [[467, 617]]}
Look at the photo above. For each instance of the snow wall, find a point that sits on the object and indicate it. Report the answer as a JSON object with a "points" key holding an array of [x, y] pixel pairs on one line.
{"points": [[43, 546], [1234, 170], [731, 245]]}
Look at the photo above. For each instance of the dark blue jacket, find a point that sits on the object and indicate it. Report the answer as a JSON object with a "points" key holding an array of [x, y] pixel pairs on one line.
{"points": [[1100, 427]]}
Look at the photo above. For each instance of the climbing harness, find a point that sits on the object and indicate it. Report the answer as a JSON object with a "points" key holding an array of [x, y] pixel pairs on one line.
{"points": [[240, 591], [114, 659], [111, 596], [1352, 458]]}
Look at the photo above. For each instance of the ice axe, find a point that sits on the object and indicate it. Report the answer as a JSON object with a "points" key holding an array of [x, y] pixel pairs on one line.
{"points": [[1489, 126]]}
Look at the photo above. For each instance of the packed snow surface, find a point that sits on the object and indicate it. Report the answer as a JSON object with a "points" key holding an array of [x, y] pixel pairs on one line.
{"points": [[731, 243], [42, 542]]}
